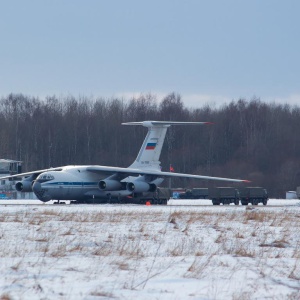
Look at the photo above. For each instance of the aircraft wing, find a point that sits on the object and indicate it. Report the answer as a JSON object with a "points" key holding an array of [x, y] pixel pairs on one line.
{"points": [[37, 172], [128, 172], [136, 172]]}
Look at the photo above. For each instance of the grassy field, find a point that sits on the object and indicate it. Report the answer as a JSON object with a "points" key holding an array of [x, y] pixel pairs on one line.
{"points": [[157, 252]]}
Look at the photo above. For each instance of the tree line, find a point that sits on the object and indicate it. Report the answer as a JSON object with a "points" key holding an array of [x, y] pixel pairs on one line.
{"points": [[250, 139]]}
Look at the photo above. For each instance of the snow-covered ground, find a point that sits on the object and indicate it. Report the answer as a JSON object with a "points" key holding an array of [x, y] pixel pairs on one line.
{"points": [[150, 252]]}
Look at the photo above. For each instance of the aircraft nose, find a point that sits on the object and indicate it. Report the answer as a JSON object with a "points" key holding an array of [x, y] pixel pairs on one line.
{"points": [[40, 192]]}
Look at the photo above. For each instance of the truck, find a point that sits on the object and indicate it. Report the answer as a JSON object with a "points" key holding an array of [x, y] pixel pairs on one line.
{"points": [[224, 195], [159, 197], [253, 195], [196, 193]]}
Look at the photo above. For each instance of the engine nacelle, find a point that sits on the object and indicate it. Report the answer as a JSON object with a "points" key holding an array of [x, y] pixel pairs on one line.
{"points": [[109, 185], [24, 186], [140, 187]]}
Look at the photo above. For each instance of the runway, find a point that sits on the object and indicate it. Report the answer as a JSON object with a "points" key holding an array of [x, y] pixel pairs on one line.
{"points": [[171, 202]]}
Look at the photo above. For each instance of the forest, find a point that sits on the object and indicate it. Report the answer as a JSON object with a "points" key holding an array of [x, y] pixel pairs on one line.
{"points": [[249, 139]]}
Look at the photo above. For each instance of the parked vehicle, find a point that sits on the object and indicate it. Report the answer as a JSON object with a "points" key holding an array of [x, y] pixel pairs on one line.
{"points": [[196, 193], [160, 197], [298, 192], [253, 195], [224, 195]]}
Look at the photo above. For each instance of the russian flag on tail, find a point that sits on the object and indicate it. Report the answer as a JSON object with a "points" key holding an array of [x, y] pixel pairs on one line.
{"points": [[150, 146], [171, 168]]}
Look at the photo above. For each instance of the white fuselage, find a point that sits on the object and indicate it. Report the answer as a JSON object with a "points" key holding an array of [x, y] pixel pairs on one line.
{"points": [[74, 183]]}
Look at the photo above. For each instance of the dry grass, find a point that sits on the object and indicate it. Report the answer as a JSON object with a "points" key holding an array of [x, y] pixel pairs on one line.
{"points": [[50, 212], [243, 251], [103, 295], [5, 297], [123, 266], [59, 251], [293, 296], [242, 296], [184, 222], [198, 267], [16, 266], [199, 240], [239, 235]]}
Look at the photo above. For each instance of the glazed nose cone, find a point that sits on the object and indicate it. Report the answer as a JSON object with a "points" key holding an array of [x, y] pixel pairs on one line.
{"points": [[40, 192]]}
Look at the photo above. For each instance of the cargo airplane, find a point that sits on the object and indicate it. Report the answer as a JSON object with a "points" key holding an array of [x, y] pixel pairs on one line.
{"points": [[103, 182]]}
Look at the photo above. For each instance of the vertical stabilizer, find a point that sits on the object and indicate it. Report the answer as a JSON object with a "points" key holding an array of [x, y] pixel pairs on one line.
{"points": [[148, 157]]}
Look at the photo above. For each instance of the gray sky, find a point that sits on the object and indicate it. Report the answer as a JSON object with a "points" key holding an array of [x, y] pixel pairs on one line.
{"points": [[207, 51]]}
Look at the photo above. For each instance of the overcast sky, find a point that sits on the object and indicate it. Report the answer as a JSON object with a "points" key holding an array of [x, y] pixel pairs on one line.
{"points": [[206, 51]]}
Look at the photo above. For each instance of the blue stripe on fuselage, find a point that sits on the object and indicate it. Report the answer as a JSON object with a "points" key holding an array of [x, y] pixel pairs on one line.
{"points": [[72, 183]]}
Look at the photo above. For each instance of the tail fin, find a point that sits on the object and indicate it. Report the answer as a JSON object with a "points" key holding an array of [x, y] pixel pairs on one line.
{"points": [[148, 157]]}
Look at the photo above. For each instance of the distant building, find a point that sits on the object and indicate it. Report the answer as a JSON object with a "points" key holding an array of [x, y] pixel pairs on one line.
{"points": [[7, 186], [291, 195], [10, 167]]}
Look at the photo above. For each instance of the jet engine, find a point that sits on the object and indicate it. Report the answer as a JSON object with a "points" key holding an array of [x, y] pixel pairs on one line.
{"points": [[140, 186], [109, 185], [24, 186]]}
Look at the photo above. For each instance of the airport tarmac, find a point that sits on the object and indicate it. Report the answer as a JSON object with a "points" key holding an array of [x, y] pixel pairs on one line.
{"points": [[171, 202]]}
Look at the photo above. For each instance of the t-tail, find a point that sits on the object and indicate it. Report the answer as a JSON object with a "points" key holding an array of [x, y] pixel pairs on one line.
{"points": [[148, 157]]}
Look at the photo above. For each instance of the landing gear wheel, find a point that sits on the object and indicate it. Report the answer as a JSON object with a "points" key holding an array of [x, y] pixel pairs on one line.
{"points": [[109, 198]]}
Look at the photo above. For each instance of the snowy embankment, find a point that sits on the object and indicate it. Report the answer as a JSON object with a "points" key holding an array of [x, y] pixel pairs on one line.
{"points": [[150, 252]]}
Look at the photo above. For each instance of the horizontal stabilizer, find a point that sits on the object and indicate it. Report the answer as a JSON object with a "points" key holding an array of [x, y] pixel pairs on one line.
{"points": [[165, 123]]}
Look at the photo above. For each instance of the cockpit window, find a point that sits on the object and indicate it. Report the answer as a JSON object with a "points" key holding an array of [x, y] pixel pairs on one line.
{"points": [[49, 177], [45, 177]]}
